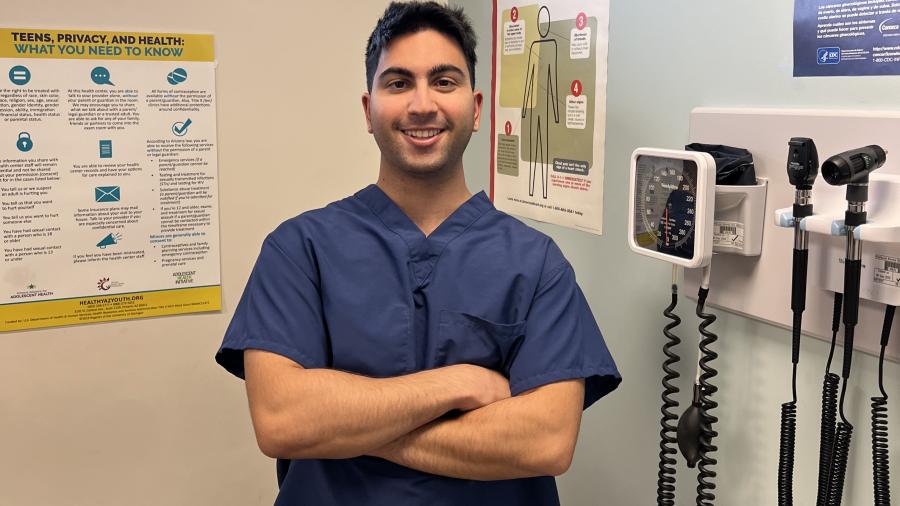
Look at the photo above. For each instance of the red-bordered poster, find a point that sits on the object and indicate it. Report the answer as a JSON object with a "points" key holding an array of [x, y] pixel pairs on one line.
{"points": [[548, 121]]}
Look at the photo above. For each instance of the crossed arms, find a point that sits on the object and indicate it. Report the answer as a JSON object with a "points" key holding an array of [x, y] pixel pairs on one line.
{"points": [[303, 413]]}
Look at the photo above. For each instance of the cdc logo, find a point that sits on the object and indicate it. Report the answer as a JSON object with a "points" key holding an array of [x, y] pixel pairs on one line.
{"points": [[828, 55]]}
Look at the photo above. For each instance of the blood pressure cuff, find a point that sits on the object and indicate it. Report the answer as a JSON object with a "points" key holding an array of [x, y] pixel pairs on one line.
{"points": [[734, 166]]}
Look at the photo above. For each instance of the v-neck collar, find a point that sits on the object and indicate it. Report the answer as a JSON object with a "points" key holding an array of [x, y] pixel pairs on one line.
{"points": [[423, 251]]}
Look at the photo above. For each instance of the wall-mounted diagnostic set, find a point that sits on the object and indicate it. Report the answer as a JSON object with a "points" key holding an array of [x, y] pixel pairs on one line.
{"points": [[851, 169], [674, 216]]}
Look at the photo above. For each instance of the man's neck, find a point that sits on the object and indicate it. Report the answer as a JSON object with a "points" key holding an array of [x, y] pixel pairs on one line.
{"points": [[426, 201]]}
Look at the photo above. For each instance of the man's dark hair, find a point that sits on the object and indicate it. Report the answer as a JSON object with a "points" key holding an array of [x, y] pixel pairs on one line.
{"points": [[410, 17]]}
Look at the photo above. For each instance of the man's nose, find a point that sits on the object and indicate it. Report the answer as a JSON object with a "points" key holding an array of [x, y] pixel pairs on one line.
{"points": [[422, 101]]}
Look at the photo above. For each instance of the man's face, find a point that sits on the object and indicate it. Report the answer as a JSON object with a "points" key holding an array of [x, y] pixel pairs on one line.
{"points": [[422, 109]]}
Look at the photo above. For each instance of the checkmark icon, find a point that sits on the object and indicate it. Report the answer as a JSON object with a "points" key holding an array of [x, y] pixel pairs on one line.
{"points": [[180, 128]]}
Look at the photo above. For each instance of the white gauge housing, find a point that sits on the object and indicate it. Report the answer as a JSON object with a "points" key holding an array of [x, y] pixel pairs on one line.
{"points": [[689, 195]]}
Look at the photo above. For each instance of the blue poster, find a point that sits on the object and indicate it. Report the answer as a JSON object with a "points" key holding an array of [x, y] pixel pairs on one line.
{"points": [[846, 38]]}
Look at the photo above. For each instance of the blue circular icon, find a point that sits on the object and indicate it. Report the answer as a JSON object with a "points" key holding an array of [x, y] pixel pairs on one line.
{"points": [[176, 76], [19, 75], [100, 75], [181, 127], [24, 142]]}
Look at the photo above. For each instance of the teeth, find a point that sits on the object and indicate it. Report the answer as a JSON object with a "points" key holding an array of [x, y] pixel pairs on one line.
{"points": [[421, 134]]}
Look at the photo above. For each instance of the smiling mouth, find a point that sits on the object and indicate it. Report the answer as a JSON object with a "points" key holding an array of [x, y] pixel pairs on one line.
{"points": [[423, 134]]}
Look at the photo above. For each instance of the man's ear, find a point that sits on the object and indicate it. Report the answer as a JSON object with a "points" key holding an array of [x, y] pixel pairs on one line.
{"points": [[479, 99], [366, 100]]}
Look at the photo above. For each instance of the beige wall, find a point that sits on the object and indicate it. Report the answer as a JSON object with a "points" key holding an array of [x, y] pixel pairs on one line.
{"points": [[137, 413]]}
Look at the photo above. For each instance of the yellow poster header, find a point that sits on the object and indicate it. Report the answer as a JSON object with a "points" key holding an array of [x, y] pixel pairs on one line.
{"points": [[89, 45]]}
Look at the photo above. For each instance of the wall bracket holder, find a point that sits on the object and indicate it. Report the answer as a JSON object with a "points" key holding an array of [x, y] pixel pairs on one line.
{"points": [[758, 286], [739, 217], [881, 269]]}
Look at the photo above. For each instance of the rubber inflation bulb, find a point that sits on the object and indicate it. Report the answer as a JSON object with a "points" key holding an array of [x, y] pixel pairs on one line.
{"points": [[689, 431]]}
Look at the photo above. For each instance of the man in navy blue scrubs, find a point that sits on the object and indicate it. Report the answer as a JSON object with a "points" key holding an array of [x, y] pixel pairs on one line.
{"points": [[410, 344]]}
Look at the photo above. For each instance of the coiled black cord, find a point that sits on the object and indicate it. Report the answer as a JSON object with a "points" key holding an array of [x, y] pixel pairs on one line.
{"points": [[880, 457], [665, 489], [844, 432], [840, 454], [706, 486], [786, 449], [830, 385], [789, 409]]}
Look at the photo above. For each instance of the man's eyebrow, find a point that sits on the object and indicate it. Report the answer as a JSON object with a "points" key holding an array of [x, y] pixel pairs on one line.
{"points": [[443, 68], [396, 70]]}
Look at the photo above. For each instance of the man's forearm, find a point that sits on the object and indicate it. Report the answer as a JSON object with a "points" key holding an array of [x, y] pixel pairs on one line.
{"points": [[321, 413], [512, 438]]}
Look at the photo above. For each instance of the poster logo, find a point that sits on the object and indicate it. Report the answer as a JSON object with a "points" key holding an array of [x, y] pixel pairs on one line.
{"points": [[889, 25], [828, 55], [184, 278], [104, 284], [31, 290]]}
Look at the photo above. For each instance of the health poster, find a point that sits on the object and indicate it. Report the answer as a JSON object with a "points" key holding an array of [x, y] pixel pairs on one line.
{"points": [[846, 38], [108, 176], [548, 121]]}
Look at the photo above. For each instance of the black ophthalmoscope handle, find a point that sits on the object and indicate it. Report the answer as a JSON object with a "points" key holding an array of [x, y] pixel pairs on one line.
{"points": [[798, 297], [888, 322], [852, 273]]}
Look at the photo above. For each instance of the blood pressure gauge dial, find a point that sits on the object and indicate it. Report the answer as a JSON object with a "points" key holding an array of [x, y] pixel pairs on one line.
{"points": [[671, 204]]}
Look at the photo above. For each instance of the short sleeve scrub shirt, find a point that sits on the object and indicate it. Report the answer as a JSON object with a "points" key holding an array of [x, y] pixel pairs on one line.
{"points": [[357, 287]]}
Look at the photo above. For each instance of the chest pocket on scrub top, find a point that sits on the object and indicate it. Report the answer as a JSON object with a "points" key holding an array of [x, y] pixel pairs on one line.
{"points": [[469, 339]]}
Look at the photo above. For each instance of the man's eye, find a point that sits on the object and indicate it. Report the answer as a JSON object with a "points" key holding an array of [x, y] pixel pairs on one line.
{"points": [[445, 83], [397, 85]]}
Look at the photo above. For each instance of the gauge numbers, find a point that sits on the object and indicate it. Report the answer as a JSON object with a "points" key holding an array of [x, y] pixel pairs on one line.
{"points": [[665, 205]]}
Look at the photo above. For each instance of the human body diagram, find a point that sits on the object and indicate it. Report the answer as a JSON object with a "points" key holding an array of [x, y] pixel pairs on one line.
{"points": [[541, 78]]}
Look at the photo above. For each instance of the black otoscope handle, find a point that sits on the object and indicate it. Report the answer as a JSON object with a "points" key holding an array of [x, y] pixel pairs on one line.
{"points": [[852, 273], [798, 297], [888, 321]]}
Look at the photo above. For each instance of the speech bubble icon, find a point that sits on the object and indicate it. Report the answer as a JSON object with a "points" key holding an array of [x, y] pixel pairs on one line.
{"points": [[100, 75]]}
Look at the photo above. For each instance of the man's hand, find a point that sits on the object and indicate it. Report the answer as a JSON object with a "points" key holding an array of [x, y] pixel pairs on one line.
{"points": [[484, 386]]}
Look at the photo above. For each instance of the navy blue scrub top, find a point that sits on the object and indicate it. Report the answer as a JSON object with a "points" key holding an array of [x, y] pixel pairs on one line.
{"points": [[356, 286]]}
